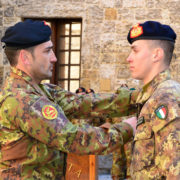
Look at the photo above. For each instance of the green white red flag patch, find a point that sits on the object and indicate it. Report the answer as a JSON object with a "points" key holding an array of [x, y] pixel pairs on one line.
{"points": [[161, 112]]}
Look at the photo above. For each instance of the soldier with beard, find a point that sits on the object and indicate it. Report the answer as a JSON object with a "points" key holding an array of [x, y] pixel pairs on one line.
{"points": [[35, 131]]}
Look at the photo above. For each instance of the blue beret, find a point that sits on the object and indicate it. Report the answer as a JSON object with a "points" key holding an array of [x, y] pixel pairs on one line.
{"points": [[151, 30], [27, 34]]}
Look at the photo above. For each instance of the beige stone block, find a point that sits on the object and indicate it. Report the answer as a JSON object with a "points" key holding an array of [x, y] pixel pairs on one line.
{"points": [[108, 27], [93, 74], [154, 14], [135, 4], [140, 14], [107, 58], [153, 4], [121, 58], [85, 73], [105, 84], [110, 14], [85, 82], [123, 72], [10, 21], [108, 47], [95, 14]]}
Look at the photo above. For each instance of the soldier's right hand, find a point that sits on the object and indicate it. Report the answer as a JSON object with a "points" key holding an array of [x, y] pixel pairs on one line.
{"points": [[132, 122]]}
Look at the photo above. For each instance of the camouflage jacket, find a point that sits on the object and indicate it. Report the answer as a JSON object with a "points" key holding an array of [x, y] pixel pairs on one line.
{"points": [[156, 152], [35, 133]]}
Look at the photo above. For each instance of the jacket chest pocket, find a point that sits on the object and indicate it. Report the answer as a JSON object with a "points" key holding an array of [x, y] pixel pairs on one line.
{"points": [[144, 146]]}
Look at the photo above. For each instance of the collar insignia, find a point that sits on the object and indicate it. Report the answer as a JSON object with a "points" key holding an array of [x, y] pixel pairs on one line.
{"points": [[49, 112], [161, 112], [136, 31]]}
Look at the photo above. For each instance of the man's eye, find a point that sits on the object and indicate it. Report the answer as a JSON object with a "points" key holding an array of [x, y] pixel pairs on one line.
{"points": [[48, 50]]}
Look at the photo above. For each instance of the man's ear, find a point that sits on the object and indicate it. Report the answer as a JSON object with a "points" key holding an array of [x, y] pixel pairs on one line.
{"points": [[24, 57], [158, 54]]}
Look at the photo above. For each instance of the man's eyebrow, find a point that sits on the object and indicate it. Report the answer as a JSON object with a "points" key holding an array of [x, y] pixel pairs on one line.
{"points": [[133, 46], [49, 47]]}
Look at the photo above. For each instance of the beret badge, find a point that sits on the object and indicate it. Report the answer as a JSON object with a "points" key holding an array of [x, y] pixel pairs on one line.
{"points": [[45, 23], [136, 31]]}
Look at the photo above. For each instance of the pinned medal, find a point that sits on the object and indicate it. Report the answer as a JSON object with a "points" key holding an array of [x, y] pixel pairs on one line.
{"points": [[161, 112], [136, 31], [49, 112]]}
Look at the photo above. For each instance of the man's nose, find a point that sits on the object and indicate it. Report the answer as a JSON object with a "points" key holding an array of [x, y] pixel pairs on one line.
{"points": [[53, 58], [129, 59]]}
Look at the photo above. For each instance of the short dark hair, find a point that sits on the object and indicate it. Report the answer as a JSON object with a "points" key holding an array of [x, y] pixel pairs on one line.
{"points": [[124, 85], [88, 91], [31, 50], [13, 53], [80, 89], [168, 48]]}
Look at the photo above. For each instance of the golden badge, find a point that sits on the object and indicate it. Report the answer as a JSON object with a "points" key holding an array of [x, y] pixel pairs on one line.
{"points": [[136, 31], [49, 112]]}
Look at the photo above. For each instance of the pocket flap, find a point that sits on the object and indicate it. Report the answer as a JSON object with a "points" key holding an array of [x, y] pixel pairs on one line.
{"points": [[144, 129]]}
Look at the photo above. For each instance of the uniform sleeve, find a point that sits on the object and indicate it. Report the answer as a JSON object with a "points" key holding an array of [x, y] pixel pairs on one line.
{"points": [[46, 122], [121, 158], [85, 106], [166, 126]]}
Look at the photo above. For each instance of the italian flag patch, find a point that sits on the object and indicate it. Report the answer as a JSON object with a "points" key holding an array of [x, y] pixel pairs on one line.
{"points": [[161, 112]]}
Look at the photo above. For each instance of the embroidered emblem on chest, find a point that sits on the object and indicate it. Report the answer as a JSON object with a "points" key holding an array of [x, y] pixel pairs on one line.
{"points": [[49, 112], [140, 121], [161, 112]]}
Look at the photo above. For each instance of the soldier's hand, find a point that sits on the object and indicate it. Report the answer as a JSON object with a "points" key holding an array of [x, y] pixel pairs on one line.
{"points": [[132, 122]]}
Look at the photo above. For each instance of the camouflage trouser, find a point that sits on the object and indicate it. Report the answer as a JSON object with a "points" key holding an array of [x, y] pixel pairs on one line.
{"points": [[121, 159]]}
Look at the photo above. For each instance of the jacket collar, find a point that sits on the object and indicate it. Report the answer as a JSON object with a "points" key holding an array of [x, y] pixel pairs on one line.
{"points": [[30, 85], [149, 88]]}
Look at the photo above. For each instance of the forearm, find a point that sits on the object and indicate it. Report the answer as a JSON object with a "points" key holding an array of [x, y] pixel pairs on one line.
{"points": [[113, 105], [99, 140], [56, 131]]}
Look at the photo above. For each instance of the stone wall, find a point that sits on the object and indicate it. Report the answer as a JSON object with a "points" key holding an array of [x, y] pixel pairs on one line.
{"points": [[105, 27]]}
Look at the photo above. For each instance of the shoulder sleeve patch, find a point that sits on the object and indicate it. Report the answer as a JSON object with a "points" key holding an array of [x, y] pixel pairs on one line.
{"points": [[46, 109], [161, 112], [49, 112]]}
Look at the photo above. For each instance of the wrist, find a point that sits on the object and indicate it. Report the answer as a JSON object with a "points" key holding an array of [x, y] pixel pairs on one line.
{"points": [[125, 129]]}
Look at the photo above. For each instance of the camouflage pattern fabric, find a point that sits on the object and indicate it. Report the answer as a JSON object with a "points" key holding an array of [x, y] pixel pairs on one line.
{"points": [[121, 157], [35, 134], [156, 151], [121, 162], [128, 155], [93, 106]]}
